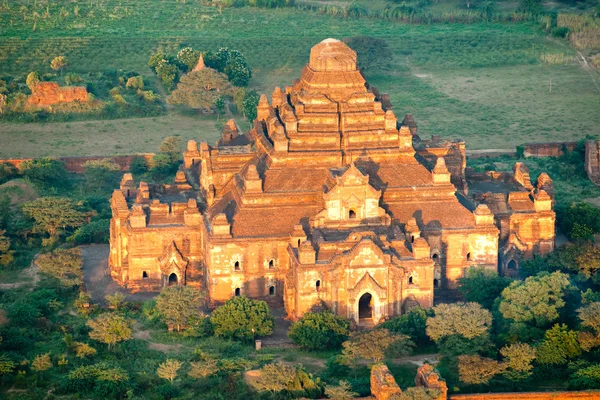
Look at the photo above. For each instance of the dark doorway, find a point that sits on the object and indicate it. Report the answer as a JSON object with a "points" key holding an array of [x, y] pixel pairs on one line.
{"points": [[237, 292], [144, 275], [436, 258], [272, 291], [352, 214], [318, 284], [271, 264], [365, 306], [468, 256], [512, 265], [237, 265], [173, 279], [436, 283]]}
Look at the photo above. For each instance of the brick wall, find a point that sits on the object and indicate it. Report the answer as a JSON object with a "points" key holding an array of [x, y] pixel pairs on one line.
{"points": [[75, 164]]}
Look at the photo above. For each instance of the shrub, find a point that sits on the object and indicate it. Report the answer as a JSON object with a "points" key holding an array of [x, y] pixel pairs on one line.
{"points": [[139, 165], [319, 331], [559, 31], [135, 82], [586, 378], [46, 172], [7, 172], [412, 324]]}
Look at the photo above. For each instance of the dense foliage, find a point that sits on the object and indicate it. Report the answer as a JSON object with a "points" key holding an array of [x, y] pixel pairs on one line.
{"points": [[319, 331]]}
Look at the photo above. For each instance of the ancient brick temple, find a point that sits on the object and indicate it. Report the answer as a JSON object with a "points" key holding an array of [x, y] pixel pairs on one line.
{"points": [[50, 93], [328, 200]]}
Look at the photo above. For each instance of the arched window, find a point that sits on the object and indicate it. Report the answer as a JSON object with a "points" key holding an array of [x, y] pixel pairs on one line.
{"points": [[436, 283], [230, 137], [237, 265], [271, 290], [318, 284], [298, 243], [410, 280], [271, 264], [144, 275], [238, 291], [436, 258], [412, 239], [468, 256], [352, 214], [512, 265], [128, 193]]}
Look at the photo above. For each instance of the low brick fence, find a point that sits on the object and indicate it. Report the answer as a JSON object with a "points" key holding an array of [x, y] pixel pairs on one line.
{"points": [[75, 164]]}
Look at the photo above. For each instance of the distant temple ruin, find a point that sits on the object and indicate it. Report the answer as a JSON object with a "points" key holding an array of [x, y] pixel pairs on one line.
{"points": [[51, 93], [328, 200]]}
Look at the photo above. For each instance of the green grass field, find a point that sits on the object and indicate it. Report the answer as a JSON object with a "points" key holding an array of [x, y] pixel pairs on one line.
{"points": [[484, 82]]}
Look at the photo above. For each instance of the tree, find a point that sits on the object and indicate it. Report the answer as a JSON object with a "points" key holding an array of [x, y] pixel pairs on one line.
{"points": [[45, 172], [204, 368], [417, 393], [319, 330], [460, 328], [6, 365], [250, 104], [102, 174], [154, 60], [536, 300], [201, 89], [32, 81], [482, 286], [343, 391], [6, 255], [188, 57], [586, 378], [373, 54], [41, 363], [177, 305], [59, 63], [83, 350], [477, 370], [581, 215], [220, 106], [115, 301], [374, 345], [171, 145], [167, 72], [559, 346], [242, 318], [53, 215], [135, 82], [110, 329], [590, 318], [278, 377], [168, 369], [232, 63], [239, 95], [62, 264], [413, 324], [517, 359]]}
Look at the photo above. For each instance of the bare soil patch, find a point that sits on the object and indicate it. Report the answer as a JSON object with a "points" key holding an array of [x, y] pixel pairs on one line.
{"points": [[18, 191]]}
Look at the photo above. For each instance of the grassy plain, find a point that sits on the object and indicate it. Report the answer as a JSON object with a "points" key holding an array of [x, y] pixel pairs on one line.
{"points": [[483, 82]]}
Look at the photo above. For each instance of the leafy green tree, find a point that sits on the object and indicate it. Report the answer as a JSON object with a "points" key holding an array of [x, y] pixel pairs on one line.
{"points": [[590, 318], [62, 264], [168, 369], [33, 79], [59, 63], [177, 305], [54, 215], [578, 217], [559, 346], [45, 172], [6, 365], [220, 106], [94, 232], [102, 174], [154, 60], [239, 95], [242, 318], [232, 63], [115, 301], [188, 57], [41, 363], [343, 391], [171, 146], [110, 329], [536, 300], [6, 255], [135, 82], [413, 324], [201, 89], [530, 6], [373, 54], [482, 286], [83, 350], [139, 165], [7, 172], [167, 72], [101, 379], [586, 378], [460, 328], [477, 370], [202, 369], [375, 345], [517, 359], [319, 330], [250, 104], [279, 377]]}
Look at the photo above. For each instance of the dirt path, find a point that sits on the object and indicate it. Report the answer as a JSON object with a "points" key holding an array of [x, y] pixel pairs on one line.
{"points": [[418, 359], [144, 335], [31, 277]]}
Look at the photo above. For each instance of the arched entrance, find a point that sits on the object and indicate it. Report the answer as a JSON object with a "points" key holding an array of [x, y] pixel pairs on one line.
{"points": [[512, 265], [173, 280], [365, 306]]}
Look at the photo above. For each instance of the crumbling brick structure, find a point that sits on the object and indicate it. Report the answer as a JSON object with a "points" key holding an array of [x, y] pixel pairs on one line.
{"points": [[592, 160], [50, 93], [327, 200]]}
